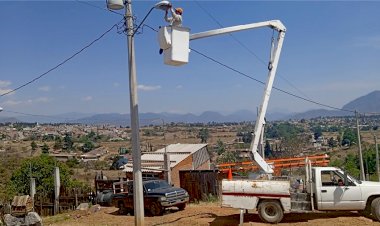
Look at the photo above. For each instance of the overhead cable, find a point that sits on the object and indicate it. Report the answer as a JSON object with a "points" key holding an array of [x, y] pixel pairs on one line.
{"points": [[37, 115], [245, 46], [261, 82], [62, 63]]}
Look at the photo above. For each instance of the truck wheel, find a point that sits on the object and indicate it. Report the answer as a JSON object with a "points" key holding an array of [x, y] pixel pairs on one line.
{"points": [[375, 208], [181, 206], [130, 211], [155, 209], [270, 211], [121, 208]]}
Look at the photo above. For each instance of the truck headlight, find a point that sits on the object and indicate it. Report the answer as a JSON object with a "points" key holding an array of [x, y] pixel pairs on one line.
{"points": [[163, 198]]}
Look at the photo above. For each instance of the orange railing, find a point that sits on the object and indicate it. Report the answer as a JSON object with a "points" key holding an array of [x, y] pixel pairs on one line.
{"points": [[278, 164]]}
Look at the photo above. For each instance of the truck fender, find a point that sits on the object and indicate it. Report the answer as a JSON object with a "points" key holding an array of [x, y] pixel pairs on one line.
{"points": [[284, 202]]}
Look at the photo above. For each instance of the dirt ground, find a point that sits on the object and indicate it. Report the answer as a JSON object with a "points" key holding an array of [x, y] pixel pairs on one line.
{"points": [[210, 214]]}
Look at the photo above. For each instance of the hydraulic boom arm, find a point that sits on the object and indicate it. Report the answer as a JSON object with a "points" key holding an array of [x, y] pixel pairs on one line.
{"points": [[272, 67]]}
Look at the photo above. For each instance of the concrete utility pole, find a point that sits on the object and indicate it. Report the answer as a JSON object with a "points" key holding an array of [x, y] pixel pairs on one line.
{"points": [[377, 159], [138, 199], [57, 186], [362, 176]]}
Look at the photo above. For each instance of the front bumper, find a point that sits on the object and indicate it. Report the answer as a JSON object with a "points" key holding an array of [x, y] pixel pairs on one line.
{"points": [[169, 203]]}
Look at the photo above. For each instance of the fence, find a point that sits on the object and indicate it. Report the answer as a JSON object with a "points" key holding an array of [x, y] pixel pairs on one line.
{"points": [[200, 184], [69, 199]]}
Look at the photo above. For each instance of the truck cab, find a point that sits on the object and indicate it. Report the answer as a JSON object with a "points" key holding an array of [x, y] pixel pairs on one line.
{"points": [[336, 190]]}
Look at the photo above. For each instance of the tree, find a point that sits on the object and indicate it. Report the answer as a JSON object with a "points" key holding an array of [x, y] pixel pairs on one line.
{"points": [[268, 150], [41, 168], [68, 142], [88, 146], [317, 132], [220, 147], [33, 145], [247, 137], [203, 135], [57, 143], [227, 156], [349, 137], [332, 142], [45, 149]]}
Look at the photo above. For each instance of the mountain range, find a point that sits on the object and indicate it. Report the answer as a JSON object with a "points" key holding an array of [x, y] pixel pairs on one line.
{"points": [[367, 103]]}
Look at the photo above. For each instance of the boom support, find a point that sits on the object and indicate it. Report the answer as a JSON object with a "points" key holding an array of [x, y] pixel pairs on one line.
{"points": [[272, 67]]}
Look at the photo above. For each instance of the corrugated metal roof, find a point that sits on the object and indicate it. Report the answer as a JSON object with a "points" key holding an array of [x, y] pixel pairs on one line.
{"points": [[178, 152]]}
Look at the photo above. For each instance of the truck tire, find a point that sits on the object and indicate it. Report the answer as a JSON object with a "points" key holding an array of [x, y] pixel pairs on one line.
{"points": [[181, 206], [121, 207], [375, 208], [155, 209], [270, 211]]}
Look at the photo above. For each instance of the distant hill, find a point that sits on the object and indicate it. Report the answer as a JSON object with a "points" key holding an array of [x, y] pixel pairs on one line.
{"points": [[9, 119], [367, 103], [319, 113]]}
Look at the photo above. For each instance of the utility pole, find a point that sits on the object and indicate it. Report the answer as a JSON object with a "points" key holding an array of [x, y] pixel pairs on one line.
{"points": [[362, 176], [138, 200], [377, 159]]}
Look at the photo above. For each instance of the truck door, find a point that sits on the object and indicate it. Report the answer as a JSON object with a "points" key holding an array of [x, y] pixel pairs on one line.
{"points": [[334, 195]]}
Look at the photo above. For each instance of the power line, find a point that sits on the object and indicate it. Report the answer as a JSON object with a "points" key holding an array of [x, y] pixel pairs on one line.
{"points": [[37, 115], [278, 89], [60, 64], [245, 47], [261, 82]]}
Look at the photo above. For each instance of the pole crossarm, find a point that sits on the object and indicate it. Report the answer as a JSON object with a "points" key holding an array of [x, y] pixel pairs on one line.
{"points": [[274, 24]]}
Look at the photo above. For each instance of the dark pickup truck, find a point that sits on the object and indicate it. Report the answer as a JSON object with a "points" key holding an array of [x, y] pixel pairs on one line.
{"points": [[158, 195]]}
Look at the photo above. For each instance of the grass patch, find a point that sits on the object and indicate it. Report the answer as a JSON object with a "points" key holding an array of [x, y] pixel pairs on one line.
{"points": [[55, 219]]}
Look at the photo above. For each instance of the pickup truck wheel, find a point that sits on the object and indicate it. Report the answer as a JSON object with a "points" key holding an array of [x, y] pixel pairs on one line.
{"points": [[156, 209], [181, 206], [375, 208], [270, 211], [121, 208]]}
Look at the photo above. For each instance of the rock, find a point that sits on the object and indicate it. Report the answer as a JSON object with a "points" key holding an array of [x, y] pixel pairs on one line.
{"points": [[10, 220], [83, 206], [94, 208], [33, 219]]}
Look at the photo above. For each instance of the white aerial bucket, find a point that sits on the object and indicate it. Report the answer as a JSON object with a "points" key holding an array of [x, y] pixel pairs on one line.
{"points": [[115, 4], [175, 43]]}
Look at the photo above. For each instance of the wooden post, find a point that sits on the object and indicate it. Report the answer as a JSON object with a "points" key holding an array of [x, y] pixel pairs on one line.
{"points": [[32, 190]]}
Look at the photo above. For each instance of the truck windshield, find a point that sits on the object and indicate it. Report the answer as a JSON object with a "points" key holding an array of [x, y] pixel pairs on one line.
{"points": [[151, 185], [350, 177]]}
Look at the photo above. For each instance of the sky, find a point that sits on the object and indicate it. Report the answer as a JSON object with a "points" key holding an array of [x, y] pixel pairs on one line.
{"points": [[330, 55]]}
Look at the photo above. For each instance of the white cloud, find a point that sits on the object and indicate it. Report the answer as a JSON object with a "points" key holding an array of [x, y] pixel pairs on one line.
{"points": [[87, 98], [3, 91], [179, 87], [116, 84], [11, 103], [29, 101], [148, 88], [5, 83], [44, 88], [42, 100]]}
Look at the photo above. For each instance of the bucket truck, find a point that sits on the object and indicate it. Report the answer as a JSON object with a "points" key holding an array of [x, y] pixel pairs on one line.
{"points": [[325, 189]]}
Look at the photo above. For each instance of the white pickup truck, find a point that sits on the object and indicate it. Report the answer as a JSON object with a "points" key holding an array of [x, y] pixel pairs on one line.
{"points": [[326, 189]]}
